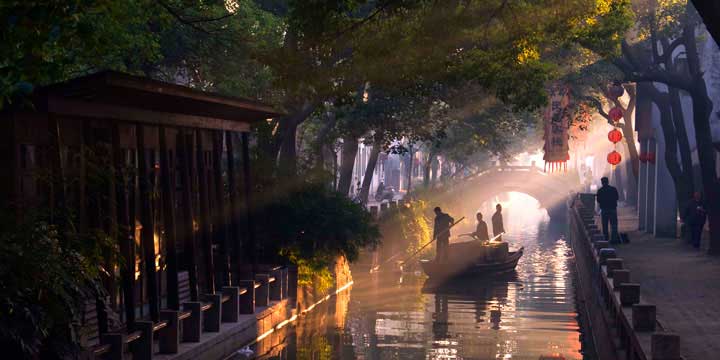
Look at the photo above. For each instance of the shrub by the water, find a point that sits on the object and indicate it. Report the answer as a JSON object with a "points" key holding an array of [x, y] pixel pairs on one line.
{"points": [[312, 226]]}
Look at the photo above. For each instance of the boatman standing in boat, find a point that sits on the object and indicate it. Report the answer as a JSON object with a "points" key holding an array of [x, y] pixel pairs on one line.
{"points": [[441, 233], [497, 222], [481, 231]]}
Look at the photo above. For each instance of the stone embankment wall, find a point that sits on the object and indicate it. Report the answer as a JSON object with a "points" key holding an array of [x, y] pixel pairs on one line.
{"points": [[621, 323]]}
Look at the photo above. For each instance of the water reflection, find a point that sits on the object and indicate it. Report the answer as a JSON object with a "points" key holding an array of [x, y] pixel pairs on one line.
{"points": [[523, 315]]}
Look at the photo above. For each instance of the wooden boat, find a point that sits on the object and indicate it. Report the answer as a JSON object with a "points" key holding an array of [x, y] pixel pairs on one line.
{"points": [[464, 262]]}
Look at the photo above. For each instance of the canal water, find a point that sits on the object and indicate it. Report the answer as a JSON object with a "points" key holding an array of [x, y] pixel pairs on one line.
{"points": [[529, 314]]}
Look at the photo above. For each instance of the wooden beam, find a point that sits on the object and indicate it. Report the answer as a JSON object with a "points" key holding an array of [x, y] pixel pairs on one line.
{"points": [[78, 108], [146, 219], [187, 230], [154, 86], [167, 179], [205, 224]]}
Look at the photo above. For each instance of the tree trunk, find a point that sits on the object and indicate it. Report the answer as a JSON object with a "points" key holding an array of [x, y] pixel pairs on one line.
{"points": [[685, 186], [409, 169], [434, 167], [630, 181], [426, 170], [287, 137], [347, 163], [629, 134], [702, 107], [681, 133], [619, 184], [706, 155], [671, 140], [287, 157], [369, 171]]}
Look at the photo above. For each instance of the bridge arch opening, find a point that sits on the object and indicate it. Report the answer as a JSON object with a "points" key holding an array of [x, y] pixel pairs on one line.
{"points": [[550, 190]]}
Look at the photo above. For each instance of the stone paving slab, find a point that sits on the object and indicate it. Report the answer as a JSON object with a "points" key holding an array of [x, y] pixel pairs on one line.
{"points": [[683, 282]]}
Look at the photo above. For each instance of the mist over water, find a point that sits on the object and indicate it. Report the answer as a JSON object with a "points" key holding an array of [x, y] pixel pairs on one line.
{"points": [[523, 315]]}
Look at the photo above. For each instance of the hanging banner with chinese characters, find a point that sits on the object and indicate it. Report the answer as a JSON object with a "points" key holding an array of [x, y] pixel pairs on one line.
{"points": [[557, 121]]}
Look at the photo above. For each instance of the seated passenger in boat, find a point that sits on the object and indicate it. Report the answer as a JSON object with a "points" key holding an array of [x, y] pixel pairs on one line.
{"points": [[481, 231]]}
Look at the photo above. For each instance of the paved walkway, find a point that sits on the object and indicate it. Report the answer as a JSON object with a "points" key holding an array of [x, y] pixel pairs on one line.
{"points": [[683, 282]]}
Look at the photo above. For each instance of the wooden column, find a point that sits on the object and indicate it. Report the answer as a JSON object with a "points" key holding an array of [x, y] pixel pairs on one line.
{"points": [[125, 228], [221, 209], [57, 187], [234, 211], [187, 230], [90, 211], [205, 225], [250, 248], [146, 219], [167, 179]]}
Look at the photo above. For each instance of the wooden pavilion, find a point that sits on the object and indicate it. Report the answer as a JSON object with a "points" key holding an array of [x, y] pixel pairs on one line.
{"points": [[162, 169]]}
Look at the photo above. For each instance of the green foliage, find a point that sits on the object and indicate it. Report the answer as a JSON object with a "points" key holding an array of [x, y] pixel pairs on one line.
{"points": [[313, 225], [50, 41], [408, 226], [603, 28], [44, 278]]}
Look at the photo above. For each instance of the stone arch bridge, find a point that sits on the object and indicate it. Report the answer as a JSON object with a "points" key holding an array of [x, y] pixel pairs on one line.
{"points": [[550, 189]]}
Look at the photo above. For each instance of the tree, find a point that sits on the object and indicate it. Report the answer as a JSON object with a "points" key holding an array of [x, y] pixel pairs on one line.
{"points": [[50, 41], [333, 49], [691, 80]]}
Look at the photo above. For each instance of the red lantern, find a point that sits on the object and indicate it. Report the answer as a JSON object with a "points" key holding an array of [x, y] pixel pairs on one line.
{"points": [[615, 136], [616, 113], [650, 157], [642, 157], [614, 158]]}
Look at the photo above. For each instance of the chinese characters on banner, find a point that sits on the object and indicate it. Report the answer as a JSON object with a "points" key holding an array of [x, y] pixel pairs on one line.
{"points": [[557, 121]]}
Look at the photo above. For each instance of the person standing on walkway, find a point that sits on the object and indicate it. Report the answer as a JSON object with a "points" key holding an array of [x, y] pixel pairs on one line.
{"points": [[607, 198], [694, 218], [481, 231], [497, 222], [441, 234]]}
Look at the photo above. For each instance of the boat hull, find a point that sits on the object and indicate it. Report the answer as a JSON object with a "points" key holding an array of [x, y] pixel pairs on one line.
{"points": [[451, 270]]}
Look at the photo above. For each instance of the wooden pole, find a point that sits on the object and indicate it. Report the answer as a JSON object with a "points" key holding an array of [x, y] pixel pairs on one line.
{"points": [[221, 215], [146, 219], [167, 179], [205, 225], [125, 229], [250, 247], [188, 228]]}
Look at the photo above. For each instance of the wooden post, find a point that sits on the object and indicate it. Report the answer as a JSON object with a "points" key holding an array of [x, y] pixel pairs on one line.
{"points": [[188, 229], [221, 218], [125, 230], [146, 218], [205, 226], [167, 178], [234, 228], [250, 243], [57, 188]]}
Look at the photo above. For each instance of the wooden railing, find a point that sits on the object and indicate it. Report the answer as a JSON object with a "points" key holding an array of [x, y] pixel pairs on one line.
{"points": [[620, 317], [271, 283]]}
